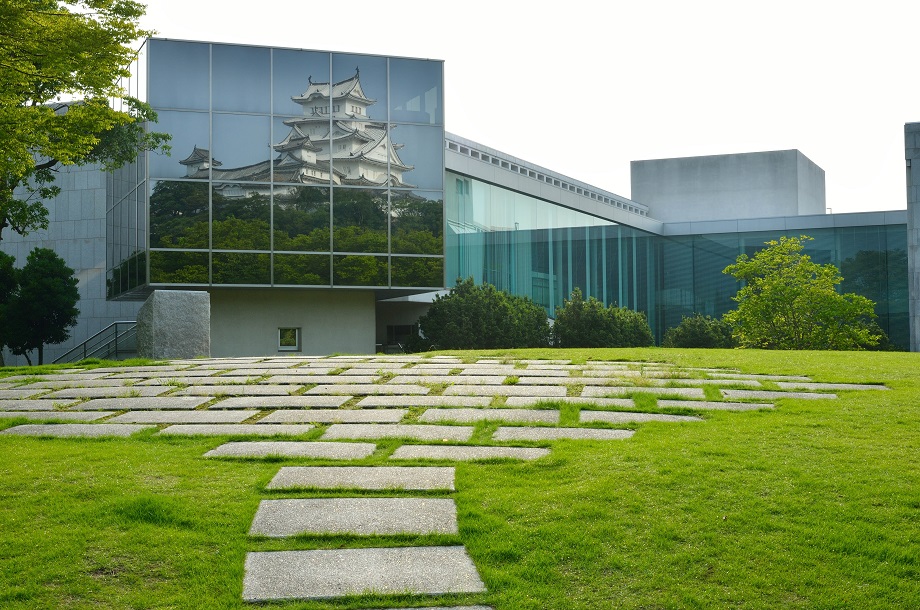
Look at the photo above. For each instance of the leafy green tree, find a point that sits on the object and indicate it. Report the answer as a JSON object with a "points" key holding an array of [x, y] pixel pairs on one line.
{"points": [[790, 302], [65, 50], [581, 323], [8, 285], [44, 307], [482, 317], [699, 331]]}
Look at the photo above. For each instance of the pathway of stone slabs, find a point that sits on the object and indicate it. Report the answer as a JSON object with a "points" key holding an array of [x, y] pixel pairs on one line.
{"points": [[345, 404]]}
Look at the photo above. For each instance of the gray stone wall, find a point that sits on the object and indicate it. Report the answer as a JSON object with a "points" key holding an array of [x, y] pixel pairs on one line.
{"points": [[174, 324], [912, 157]]}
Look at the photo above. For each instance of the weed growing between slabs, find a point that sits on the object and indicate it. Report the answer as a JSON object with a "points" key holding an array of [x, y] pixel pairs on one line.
{"points": [[813, 504]]}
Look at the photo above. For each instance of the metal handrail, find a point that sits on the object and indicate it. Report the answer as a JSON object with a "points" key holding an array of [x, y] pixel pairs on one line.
{"points": [[105, 343]]}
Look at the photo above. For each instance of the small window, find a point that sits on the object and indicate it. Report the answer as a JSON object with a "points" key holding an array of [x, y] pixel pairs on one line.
{"points": [[288, 339]]}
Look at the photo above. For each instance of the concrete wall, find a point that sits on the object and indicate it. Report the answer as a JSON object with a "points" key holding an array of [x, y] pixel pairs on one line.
{"points": [[912, 157], [76, 232], [724, 187], [245, 322]]}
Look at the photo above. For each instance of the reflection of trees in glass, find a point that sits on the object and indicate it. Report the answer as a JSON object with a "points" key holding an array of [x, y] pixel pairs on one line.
{"points": [[241, 223], [178, 267], [360, 270], [868, 274], [179, 215], [240, 268], [418, 272], [359, 220], [302, 269], [418, 226], [129, 274], [302, 220]]}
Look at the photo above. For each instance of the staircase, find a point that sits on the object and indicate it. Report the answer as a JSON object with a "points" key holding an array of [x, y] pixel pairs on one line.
{"points": [[117, 341]]}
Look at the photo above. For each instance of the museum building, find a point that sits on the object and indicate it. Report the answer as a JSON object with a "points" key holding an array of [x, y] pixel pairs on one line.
{"points": [[319, 201]]}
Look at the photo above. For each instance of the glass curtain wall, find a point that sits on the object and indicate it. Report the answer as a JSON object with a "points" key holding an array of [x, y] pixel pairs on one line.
{"points": [[288, 168]]}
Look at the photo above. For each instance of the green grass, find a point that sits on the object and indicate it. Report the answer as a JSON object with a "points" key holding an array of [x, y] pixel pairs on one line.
{"points": [[815, 504]]}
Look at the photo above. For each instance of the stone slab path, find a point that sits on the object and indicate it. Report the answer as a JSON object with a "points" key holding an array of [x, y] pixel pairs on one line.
{"points": [[236, 430], [364, 477], [332, 451]]}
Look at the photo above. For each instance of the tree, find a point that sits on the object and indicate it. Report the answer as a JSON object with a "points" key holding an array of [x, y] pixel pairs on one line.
{"points": [[483, 317], [790, 302], [43, 307], [76, 51], [581, 323], [8, 285], [699, 331]]}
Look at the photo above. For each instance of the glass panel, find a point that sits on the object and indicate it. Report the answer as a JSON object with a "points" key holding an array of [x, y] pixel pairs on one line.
{"points": [[301, 220], [418, 272], [360, 153], [179, 74], [359, 270], [178, 267], [359, 86], [241, 148], [240, 222], [419, 162], [191, 137], [302, 269], [301, 148], [112, 283], [359, 220], [241, 268], [293, 73], [240, 78], [415, 91], [417, 223], [179, 215]]}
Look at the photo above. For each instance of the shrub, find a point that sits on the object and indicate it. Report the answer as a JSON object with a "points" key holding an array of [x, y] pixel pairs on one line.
{"points": [[581, 323], [699, 331]]}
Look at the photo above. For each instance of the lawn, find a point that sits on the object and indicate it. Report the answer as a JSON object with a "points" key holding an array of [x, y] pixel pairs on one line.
{"points": [[815, 504]]}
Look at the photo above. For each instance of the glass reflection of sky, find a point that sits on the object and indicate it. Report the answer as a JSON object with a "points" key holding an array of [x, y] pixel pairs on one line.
{"points": [[373, 76], [292, 72], [415, 91], [240, 78], [178, 74]]}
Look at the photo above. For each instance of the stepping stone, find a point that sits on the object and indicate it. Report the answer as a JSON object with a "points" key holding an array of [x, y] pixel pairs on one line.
{"points": [[564, 381], [623, 390], [368, 388], [329, 379], [425, 401], [123, 392], [56, 415], [235, 429], [799, 385], [724, 374], [166, 368], [522, 401], [367, 368], [238, 390], [435, 368], [466, 453], [75, 377], [473, 415], [551, 434], [549, 372], [325, 574], [91, 383], [691, 382], [429, 433], [136, 404], [65, 430], [358, 516], [276, 402], [505, 390], [347, 416], [364, 477], [489, 369], [172, 374], [183, 417], [289, 372], [19, 393], [768, 395], [197, 381], [35, 404], [622, 417], [712, 405], [333, 451], [469, 379]]}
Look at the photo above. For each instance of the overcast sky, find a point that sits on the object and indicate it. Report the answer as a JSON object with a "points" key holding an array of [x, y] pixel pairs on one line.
{"points": [[584, 90]]}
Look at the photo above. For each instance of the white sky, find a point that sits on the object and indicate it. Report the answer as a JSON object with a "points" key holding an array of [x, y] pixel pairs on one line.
{"points": [[583, 88]]}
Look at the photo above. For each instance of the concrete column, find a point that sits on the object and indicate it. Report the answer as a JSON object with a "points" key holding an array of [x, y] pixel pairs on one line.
{"points": [[912, 156]]}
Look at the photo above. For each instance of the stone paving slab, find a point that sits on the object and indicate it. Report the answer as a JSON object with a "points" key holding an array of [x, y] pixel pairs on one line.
{"points": [[238, 390], [82, 430], [279, 402], [723, 374], [364, 477], [56, 415], [124, 392], [710, 405], [751, 383], [54, 377], [450, 379], [466, 453], [768, 395], [375, 431], [20, 393], [321, 574], [505, 390], [490, 369], [524, 401], [183, 417], [801, 385], [89, 383], [197, 381], [301, 371], [135, 369], [338, 416], [331, 379], [235, 429], [168, 374], [564, 381], [473, 415], [435, 368], [139, 403], [529, 372], [35, 404], [602, 391], [365, 388], [366, 368], [424, 401], [551, 434], [358, 516], [332, 451], [623, 417]]}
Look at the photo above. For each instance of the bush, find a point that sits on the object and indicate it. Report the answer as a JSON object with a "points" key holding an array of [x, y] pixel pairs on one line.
{"points": [[699, 331], [581, 323], [483, 317]]}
